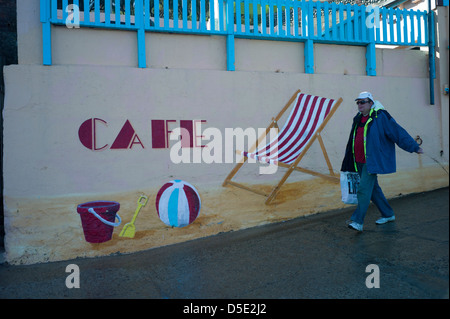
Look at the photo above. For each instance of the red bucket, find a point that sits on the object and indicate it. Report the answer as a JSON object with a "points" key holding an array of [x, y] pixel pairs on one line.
{"points": [[97, 219]]}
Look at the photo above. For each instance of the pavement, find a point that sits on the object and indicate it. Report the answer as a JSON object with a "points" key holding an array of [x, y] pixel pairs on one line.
{"points": [[314, 257]]}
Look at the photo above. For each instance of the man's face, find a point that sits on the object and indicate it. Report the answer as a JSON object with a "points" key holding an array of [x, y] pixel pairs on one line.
{"points": [[364, 106]]}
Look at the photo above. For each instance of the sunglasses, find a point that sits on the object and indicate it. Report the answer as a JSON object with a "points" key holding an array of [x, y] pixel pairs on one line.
{"points": [[361, 102]]}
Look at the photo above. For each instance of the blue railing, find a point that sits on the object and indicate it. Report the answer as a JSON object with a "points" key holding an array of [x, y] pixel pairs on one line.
{"points": [[290, 20]]}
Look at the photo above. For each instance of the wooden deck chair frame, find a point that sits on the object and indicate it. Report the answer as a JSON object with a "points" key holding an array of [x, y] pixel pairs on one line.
{"points": [[291, 167]]}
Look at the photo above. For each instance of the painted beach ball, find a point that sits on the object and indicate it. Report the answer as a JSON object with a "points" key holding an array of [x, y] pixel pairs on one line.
{"points": [[177, 203]]}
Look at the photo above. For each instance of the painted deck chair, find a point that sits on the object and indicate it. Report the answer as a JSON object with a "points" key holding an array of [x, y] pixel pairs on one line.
{"points": [[308, 118]]}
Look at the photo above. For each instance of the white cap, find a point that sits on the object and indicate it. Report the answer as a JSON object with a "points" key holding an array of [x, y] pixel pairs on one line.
{"points": [[365, 95]]}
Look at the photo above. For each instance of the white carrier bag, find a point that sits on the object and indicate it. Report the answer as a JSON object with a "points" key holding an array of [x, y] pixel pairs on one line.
{"points": [[349, 187]]}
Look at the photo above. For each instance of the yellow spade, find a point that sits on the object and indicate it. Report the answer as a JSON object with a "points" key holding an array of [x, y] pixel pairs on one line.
{"points": [[129, 229]]}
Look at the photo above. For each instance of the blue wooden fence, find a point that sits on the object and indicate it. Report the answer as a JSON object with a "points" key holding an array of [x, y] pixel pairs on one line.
{"points": [[289, 20]]}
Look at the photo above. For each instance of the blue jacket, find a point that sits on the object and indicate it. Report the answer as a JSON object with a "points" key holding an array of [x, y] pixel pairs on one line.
{"points": [[382, 134]]}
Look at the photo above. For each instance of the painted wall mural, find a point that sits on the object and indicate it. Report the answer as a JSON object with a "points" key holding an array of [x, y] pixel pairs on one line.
{"points": [[97, 220], [129, 229], [127, 137], [177, 203]]}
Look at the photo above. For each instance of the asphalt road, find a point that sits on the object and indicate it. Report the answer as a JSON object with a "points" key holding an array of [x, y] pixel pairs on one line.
{"points": [[306, 258]]}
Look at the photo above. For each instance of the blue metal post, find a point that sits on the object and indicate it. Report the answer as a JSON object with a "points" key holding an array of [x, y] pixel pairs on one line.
{"points": [[371, 58], [46, 32], [309, 56], [230, 36], [139, 14]]}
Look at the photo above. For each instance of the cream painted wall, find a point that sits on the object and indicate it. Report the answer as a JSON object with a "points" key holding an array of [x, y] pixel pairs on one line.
{"points": [[118, 48], [45, 107], [442, 73], [48, 172]]}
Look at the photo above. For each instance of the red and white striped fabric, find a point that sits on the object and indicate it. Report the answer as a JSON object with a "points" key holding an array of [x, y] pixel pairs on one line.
{"points": [[306, 116]]}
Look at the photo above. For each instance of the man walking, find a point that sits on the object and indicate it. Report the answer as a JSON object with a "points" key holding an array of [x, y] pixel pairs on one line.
{"points": [[370, 151]]}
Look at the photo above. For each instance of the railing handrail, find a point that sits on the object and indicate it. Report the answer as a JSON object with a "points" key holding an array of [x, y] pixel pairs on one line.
{"points": [[291, 20], [336, 23]]}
